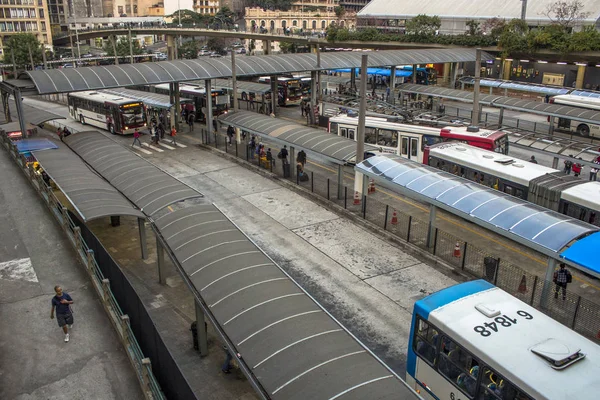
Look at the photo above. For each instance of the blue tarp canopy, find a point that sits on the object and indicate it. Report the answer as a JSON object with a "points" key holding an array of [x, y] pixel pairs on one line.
{"points": [[29, 145], [379, 71], [584, 253]]}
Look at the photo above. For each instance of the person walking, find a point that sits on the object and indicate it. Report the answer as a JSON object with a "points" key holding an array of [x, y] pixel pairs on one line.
{"points": [[161, 129], [230, 133], [64, 315], [302, 158], [215, 125], [252, 145], [533, 160], [577, 168], [136, 138], [568, 166], [190, 121], [173, 134], [226, 367], [562, 278], [594, 171], [284, 154]]}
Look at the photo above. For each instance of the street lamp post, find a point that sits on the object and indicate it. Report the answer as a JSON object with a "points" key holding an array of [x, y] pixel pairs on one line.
{"points": [[76, 30]]}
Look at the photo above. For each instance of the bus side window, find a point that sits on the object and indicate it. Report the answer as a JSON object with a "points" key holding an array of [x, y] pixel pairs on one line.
{"points": [[404, 148], [414, 147], [425, 341], [495, 387], [458, 366], [371, 136]]}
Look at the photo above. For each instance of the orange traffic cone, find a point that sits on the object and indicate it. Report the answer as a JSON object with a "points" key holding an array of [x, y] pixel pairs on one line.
{"points": [[394, 218], [457, 250], [356, 198], [523, 285], [372, 186]]}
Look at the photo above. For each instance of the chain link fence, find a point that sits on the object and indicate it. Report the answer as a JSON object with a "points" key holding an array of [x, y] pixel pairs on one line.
{"points": [[580, 314]]}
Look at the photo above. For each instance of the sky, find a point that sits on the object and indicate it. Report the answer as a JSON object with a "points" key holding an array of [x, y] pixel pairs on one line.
{"points": [[173, 5]]}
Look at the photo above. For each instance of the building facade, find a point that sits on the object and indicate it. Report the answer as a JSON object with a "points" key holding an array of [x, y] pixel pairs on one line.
{"points": [[207, 7], [29, 16]]}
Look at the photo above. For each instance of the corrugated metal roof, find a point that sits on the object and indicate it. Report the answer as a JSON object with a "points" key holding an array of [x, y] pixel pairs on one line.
{"points": [[291, 345], [510, 103], [242, 86], [156, 100], [532, 223], [32, 115], [145, 185], [468, 9], [337, 149], [104, 77], [91, 195]]}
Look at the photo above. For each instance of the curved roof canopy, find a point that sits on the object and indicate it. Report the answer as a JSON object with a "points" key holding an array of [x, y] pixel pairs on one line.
{"points": [[510, 103], [150, 99], [104, 77], [337, 149], [91, 195], [538, 227], [288, 343], [522, 86], [145, 185]]}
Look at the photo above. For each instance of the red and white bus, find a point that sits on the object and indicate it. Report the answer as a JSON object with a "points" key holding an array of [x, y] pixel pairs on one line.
{"points": [[289, 90], [410, 141]]}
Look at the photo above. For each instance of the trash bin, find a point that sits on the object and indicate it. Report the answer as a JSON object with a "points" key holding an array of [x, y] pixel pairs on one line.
{"points": [[194, 329], [286, 170], [115, 220], [491, 265]]}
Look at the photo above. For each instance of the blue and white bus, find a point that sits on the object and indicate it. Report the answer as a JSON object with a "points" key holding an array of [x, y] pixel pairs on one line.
{"points": [[475, 341]]}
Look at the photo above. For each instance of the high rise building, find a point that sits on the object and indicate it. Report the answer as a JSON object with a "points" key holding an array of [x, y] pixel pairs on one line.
{"points": [[30, 16], [207, 7]]}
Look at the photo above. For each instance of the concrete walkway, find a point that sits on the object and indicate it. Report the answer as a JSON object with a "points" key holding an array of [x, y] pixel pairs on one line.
{"points": [[35, 362]]}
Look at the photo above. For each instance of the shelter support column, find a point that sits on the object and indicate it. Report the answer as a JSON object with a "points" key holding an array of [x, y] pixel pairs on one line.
{"points": [[431, 231], [208, 113], [274, 94], [313, 96], [555, 163], [453, 75], [359, 185], [5, 106], [476, 94], [113, 40], [353, 78], [160, 262], [580, 76], [340, 181], [176, 105], [20, 115], [392, 98], [292, 161], [266, 44], [173, 109], [170, 47], [501, 117], [547, 289], [446, 78], [506, 69], [234, 87], [130, 47], [142, 231], [551, 125], [201, 326], [413, 78]]}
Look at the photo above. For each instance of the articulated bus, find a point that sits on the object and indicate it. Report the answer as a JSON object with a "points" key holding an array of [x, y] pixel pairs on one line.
{"points": [[535, 183], [581, 128], [409, 141], [289, 90], [475, 341], [220, 98], [116, 114]]}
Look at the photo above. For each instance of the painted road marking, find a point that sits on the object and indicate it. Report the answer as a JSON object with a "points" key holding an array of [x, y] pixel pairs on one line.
{"points": [[180, 145], [18, 270], [142, 150], [166, 146], [152, 147]]}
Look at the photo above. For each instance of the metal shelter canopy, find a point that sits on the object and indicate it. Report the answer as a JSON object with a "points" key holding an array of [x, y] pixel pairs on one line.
{"points": [[584, 253], [91, 196], [536, 226], [289, 345], [521, 86], [151, 99], [509, 103], [242, 86], [335, 148], [144, 184], [32, 115], [104, 77]]}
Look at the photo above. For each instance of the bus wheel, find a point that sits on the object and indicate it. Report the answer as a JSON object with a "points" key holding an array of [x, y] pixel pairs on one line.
{"points": [[111, 129], [583, 130], [81, 119]]}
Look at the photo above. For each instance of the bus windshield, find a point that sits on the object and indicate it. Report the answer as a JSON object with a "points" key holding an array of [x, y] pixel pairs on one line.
{"points": [[133, 116]]}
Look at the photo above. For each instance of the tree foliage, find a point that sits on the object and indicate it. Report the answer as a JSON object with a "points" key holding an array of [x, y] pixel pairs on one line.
{"points": [[189, 17], [473, 27], [288, 47], [423, 25], [19, 45], [283, 5], [189, 50], [566, 13], [123, 47], [217, 45], [224, 17], [493, 27], [339, 11]]}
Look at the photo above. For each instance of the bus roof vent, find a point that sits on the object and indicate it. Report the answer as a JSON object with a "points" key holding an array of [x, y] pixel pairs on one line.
{"points": [[472, 128], [558, 354], [93, 93], [117, 98]]}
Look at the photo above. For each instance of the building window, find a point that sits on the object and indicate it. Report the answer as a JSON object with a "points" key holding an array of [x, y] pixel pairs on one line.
{"points": [[294, 23], [41, 12], [43, 26], [314, 24], [323, 24], [304, 24], [45, 38]]}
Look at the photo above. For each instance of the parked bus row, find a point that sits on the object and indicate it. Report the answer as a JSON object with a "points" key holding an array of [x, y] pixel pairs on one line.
{"points": [[535, 183], [574, 126]]}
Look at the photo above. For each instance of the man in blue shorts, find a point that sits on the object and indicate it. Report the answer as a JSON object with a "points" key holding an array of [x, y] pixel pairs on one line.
{"points": [[62, 302]]}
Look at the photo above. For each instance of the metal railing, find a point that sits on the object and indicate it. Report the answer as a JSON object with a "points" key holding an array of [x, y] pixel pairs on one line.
{"points": [[576, 312], [120, 321]]}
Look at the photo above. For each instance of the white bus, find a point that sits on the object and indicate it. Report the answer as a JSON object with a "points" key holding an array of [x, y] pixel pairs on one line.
{"points": [[475, 341], [581, 128], [116, 114], [409, 141]]}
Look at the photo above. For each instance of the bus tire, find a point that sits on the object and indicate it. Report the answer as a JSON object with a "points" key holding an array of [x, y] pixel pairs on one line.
{"points": [[583, 130], [244, 96], [81, 119], [111, 129]]}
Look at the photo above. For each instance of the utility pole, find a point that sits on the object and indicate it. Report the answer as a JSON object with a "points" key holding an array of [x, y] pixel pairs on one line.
{"points": [[362, 111], [523, 9], [76, 30], [233, 81], [475, 118]]}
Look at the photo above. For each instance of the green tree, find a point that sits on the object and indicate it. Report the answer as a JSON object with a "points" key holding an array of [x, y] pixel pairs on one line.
{"points": [[339, 11], [423, 25], [123, 47], [288, 47], [473, 27], [188, 17], [283, 5], [189, 49], [217, 45], [566, 13], [224, 17], [493, 27], [20, 45], [513, 39]]}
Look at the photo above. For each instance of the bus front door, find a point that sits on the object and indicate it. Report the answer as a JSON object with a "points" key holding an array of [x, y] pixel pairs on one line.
{"points": [[409, 148]]}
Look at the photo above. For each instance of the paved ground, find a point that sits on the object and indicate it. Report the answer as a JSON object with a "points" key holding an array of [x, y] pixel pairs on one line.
{"points": [[35, 362]]}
